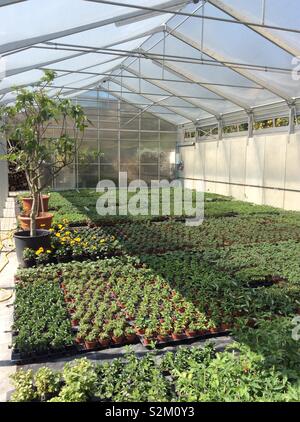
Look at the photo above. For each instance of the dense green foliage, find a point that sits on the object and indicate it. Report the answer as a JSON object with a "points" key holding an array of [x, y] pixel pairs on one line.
{"points": [[192, 374], [238, 271], [40, 319]]}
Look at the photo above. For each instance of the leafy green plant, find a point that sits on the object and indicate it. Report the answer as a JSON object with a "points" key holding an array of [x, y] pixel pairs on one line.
{"points": [[47, 383], [24, 125]]}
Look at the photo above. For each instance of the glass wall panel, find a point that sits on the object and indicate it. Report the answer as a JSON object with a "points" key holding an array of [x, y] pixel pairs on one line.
{"points": [[66, 179], [149, 136], [109, 172], [109, 152], [88, 175], [129, 135], [120, 136], [129, 152], [149, 172], [108, 134], [127, 123], [149, 152], [164, 125], [132, 171], [149, 124]]}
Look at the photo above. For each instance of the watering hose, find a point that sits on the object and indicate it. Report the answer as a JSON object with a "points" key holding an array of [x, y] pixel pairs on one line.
{"points": [[4, 294]]}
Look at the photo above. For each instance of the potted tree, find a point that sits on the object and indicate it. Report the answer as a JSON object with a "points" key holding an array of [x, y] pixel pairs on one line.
{"points": [[25, 126]]}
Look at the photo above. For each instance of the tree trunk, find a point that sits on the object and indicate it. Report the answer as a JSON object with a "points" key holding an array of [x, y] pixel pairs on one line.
{"points": [[33, 214]]}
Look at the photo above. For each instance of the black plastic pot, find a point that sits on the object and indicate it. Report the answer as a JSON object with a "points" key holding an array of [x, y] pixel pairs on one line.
{"points": [[23, 240]]}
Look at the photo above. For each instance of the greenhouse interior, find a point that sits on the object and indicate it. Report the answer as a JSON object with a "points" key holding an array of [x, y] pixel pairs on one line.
{"points": [[150, 202]]}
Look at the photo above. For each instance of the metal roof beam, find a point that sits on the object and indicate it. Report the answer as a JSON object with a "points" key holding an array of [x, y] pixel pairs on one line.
{"points": [[261, 30], [134, 91], [50, 62], [221, 59], [174, 92], [185, 75], [10, 2], [27, 42], [139, 106]]}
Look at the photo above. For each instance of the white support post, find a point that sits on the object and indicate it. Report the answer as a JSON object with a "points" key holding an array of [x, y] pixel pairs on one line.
{"points": [[220, 128], [292, 115], [3, 178], [250, 123]]}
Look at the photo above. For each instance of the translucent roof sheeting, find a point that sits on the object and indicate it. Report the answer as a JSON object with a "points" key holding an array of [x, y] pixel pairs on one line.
{"points": [[184, 60]]}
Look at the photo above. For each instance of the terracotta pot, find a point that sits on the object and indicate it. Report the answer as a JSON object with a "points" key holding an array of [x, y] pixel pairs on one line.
{"points": [[147, 341], [176, 336], [89, 345], [131, 338], [27, 204], [74, 322], [78, 340], [43, 221], [118, 340], [191, 333], [225, 327], [104, 342], [163, 338], [140, 331]]}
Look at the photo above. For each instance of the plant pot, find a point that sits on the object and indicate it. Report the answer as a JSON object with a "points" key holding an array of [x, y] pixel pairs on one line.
{"points": [[225, 327], [74, 322], [104, 343], [177, 337], [147, 341], [191, 333], [43, 221], [130, 338], [78, 340], [162, 338], [90, 345], [118, 340], [27, 204], [28, 263], [140, 331], [23, 240]]}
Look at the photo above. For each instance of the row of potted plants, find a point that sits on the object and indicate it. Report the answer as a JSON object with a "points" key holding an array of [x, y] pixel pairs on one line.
{"points": [[221, 293], [222, 232]]}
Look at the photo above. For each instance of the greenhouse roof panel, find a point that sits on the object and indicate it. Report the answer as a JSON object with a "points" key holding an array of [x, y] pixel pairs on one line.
{"points": [[192, 59]]}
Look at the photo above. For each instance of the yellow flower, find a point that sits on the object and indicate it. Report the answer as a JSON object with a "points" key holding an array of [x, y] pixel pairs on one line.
{"points": [[58, 235], [102, 241], [39, 251], [67, 233], [48, 251], [51, 230], [77, 239], [60, 226]]}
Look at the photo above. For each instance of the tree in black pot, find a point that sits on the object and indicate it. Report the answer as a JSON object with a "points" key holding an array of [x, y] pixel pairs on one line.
{"points": [[25, 126]]}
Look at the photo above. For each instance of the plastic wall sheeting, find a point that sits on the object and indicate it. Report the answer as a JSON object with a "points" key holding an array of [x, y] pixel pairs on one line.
{"points": [[263, 169], [3, 179]]}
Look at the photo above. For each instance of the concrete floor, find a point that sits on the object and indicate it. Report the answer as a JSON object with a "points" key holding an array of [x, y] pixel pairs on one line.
{"points": [[8, 266]]}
